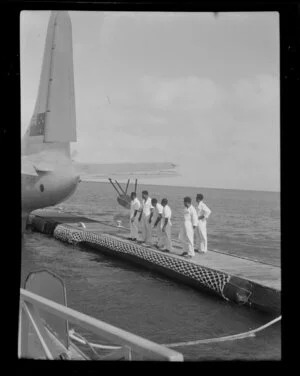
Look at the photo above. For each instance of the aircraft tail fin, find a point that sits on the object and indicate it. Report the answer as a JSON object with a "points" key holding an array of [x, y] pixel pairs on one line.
{"points": [[53, 123]]}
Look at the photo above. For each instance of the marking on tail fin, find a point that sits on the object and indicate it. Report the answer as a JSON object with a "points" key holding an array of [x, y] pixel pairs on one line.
{"points": [[37, 126]]}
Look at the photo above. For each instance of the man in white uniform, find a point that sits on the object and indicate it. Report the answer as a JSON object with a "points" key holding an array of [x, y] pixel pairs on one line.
{"points": [[203, 212], [190, 222], [134, 208], [166, 226], [144, 218], [155, 217]]}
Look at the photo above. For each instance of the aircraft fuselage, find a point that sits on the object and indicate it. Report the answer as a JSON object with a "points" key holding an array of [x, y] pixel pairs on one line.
{"points": [[48, 188]]}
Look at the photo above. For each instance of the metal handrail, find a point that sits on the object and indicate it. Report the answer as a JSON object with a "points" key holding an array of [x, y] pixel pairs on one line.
{"points": [[145, 348], [38, 332]]}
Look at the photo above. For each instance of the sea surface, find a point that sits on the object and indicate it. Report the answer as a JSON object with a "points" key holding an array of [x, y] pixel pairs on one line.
{"points": [[243, 223]]}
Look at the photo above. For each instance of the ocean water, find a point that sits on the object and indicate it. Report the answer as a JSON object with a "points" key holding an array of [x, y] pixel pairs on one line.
{"points": [[244, 223]]}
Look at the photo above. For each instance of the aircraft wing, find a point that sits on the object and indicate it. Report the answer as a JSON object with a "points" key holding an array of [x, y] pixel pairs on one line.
{"points": [[92, 171]]}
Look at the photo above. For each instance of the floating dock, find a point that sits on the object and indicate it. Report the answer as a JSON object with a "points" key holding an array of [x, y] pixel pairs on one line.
{"points": [[235, 279]]}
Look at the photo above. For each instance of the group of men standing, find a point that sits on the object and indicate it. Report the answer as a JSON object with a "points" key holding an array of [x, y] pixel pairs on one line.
{"points": [[151, 214]]}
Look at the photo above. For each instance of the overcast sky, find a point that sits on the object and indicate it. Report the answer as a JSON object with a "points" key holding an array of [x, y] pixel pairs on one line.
{"points": [[190, 88]]}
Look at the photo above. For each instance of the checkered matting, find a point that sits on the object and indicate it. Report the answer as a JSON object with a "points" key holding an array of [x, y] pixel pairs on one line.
{"points": [[214, 280]]}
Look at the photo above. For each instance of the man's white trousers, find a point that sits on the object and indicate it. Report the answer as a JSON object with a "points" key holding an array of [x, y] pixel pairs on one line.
{"points": [[146, 229], [166, 242], [201, 236], [134, 230], [186, 236]]}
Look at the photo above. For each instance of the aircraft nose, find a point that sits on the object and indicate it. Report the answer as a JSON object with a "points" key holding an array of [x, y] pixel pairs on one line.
{"points": [[71, 183], [77, 179], [71, 178]]}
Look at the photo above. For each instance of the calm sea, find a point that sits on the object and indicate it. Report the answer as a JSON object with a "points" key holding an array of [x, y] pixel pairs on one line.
{"points": [[244, 223]]}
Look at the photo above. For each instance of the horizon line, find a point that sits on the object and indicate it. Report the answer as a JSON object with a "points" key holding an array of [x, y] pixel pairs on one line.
{"points": [[188, 186]]}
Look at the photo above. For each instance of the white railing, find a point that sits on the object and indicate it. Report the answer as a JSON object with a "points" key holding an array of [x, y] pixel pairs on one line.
{"points": [[131, 344]]}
